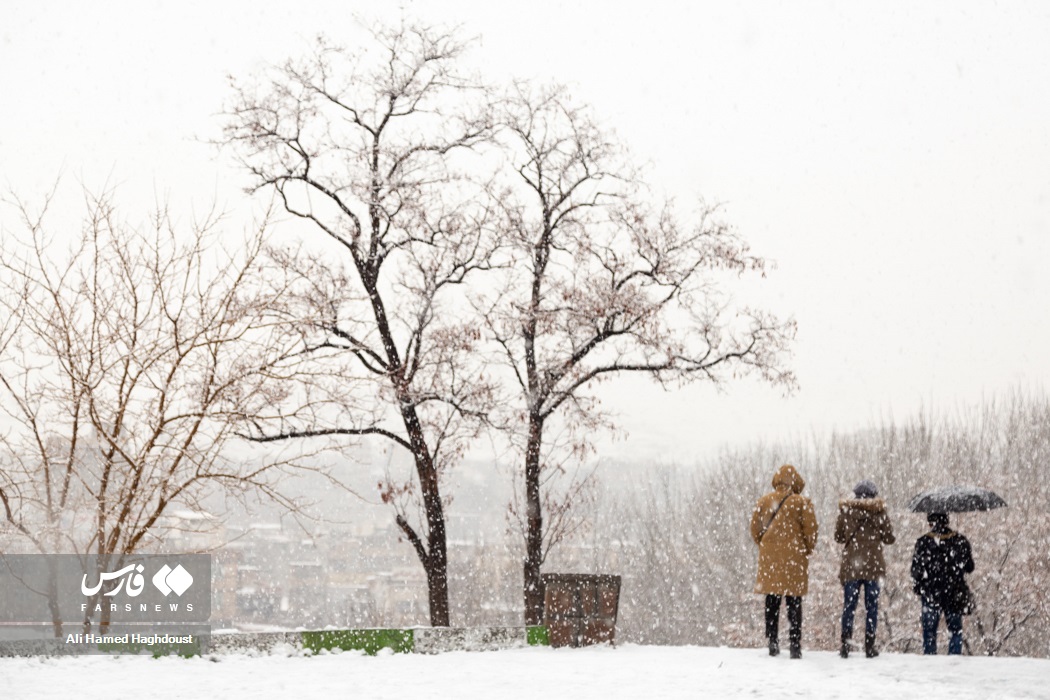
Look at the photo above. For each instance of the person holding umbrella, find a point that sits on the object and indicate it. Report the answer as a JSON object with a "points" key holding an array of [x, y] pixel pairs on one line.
{"points": [[942, 557], [941, 560], [862, 528]]}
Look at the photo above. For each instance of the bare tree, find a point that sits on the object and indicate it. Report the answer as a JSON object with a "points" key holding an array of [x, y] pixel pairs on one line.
{"points": [[603, 284], [371, 147], [121, 364]]}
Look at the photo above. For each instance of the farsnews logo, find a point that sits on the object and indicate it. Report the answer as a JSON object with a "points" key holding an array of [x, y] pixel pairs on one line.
{"points": [[166, 580], [148, 588]]}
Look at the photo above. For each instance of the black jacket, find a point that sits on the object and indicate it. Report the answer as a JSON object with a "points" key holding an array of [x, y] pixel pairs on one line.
{"points": [[937, 569]]}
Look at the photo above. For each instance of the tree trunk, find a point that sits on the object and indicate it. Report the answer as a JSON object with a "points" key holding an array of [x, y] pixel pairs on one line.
{"points": [[533, 583], [436, 565], [52, 597], [437, 594], [435, 558]]}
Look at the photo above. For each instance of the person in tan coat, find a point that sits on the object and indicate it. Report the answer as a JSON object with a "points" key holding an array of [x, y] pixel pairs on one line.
{"points": [[863, 527], [784, 526]]}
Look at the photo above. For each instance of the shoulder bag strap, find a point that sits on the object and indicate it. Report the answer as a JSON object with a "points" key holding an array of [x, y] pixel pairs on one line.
{"points": [[772, 517]]}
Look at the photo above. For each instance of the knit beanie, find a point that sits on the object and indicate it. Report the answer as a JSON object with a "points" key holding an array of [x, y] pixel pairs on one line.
{"points": [[865, 489]]}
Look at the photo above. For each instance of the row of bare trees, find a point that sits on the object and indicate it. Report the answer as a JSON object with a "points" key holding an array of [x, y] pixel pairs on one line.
{"points": [[472, 258], [688, 562]]}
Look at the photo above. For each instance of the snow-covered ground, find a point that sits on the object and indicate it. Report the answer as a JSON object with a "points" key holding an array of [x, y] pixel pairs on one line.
{"points": [[624, 672]]}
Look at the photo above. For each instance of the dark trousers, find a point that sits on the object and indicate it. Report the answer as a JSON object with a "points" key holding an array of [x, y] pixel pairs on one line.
{"points": [[931, 619], [794, 612], [851, 596]]}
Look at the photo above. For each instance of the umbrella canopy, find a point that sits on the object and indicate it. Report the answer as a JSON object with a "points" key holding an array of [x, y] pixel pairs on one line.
{"points": [[955, 499]]}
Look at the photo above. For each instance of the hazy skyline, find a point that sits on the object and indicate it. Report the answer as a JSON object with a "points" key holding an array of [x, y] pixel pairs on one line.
{"points": [[892, 158]]}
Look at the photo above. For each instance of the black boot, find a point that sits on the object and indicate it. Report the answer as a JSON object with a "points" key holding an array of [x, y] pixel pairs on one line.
{"points": [[869, 646], [794, 610], [844, 649], [773, 623]]}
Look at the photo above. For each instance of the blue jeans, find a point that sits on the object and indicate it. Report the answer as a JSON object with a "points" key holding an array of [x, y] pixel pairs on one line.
{"points": [[931, 618], [851, 595]]}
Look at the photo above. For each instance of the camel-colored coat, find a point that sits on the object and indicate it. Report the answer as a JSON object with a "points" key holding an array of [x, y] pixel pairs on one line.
{"points": [[789, 539], [863, 527]]}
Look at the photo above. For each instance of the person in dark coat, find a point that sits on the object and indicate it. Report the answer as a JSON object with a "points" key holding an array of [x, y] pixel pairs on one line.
{"points": [[784, 526], [863, 527], [938, 567]]}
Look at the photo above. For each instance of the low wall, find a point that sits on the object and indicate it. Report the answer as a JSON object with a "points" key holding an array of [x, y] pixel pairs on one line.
{"points": [[419, 640], [434, 640]]}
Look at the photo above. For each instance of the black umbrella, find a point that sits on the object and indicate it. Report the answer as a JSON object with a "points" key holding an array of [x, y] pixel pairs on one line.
{"points": [[955, 499]]}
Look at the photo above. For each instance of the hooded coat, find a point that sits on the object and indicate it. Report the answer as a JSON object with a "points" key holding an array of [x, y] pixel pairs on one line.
{"points": [[863, 527], [785, 536]]}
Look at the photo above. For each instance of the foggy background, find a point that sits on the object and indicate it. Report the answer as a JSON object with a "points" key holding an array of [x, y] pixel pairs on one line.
{"points": [[891, 158]]}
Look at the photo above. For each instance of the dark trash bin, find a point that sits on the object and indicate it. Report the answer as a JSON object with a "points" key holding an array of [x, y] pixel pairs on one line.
{"points": [[580, 609]]}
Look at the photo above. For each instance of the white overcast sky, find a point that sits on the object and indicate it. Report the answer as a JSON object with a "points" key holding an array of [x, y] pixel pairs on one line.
{"points": [[893, 158]]}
